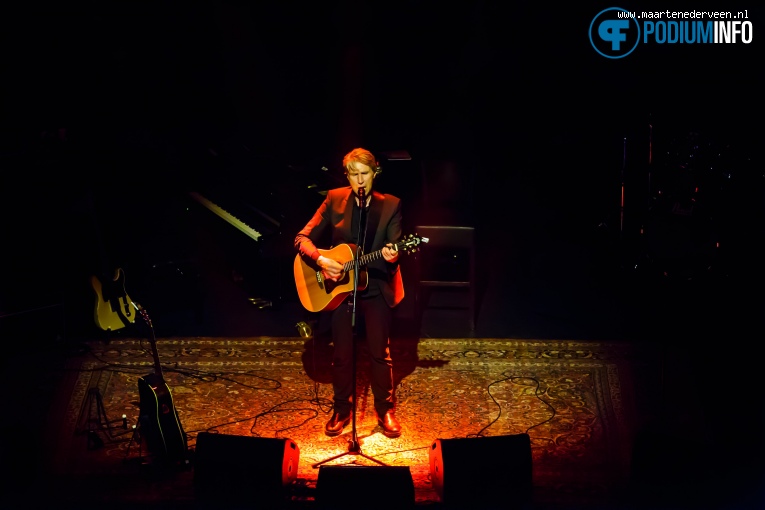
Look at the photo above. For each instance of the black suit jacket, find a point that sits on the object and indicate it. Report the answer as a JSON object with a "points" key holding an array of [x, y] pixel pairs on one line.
{"points": [[335, 214]]}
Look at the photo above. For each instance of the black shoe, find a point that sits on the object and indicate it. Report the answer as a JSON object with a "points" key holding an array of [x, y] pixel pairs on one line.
{"points": [[390, 426], [337, 423]]}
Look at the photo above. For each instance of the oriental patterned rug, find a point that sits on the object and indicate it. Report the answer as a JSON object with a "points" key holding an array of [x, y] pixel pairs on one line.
{"points": [[571, 397]]}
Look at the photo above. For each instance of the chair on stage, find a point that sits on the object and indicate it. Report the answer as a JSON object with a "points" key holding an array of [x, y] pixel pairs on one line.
{"points": [[448, 262]]}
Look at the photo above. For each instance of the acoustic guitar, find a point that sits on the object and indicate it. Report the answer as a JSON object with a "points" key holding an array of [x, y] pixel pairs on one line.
{"points": [[114, 309], [318, 294], [159, 423]]}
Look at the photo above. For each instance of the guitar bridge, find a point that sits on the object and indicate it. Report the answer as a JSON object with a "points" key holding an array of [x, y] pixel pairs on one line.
{"points": [[320, 279]]}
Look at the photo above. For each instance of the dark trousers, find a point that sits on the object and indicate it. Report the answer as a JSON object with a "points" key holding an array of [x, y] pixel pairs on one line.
{"points": [[377, 316]]}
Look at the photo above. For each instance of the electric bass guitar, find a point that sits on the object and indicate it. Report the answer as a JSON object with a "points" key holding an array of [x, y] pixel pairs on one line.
{"points": [[318, 294], [114, 308], [159, 423]]}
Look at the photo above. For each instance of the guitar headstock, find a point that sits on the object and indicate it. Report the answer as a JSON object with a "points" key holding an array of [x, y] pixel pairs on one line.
{"points": [[410, 243], [143, 313]]}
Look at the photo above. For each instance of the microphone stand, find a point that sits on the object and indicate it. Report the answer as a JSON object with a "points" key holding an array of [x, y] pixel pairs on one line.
{"points": [[354, 447]]}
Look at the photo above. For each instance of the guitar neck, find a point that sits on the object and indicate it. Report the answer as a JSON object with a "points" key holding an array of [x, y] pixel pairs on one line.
{"points": [[152, 339], [369, 257], [157, 365]]}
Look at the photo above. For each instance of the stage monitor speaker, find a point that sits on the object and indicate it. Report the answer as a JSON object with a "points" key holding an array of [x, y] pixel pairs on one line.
{"points": [[482, 472], [369, 487], [244, 469]]}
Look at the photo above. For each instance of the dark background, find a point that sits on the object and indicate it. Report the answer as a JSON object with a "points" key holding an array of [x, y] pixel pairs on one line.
{"points": [[111, 114]]}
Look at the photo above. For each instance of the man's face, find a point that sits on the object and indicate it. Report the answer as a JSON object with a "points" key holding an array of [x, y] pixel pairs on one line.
{"points": [[360, 176]]}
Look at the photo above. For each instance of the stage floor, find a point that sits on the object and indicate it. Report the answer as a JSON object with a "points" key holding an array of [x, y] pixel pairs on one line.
{"points": [[584, 405]]}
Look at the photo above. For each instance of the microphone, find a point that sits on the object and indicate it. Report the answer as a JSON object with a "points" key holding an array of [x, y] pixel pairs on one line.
{"points": [[362, 198]]}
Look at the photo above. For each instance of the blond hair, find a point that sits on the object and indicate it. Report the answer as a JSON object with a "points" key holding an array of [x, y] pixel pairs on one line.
{"points": [[362, 156]]}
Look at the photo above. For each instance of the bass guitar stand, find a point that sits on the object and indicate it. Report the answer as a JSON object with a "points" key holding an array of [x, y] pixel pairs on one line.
{"points": [[354, 447], [96, 420]]}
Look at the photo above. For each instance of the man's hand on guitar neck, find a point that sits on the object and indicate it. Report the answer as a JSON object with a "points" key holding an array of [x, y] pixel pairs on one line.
{"points": [[331, 269], [389, 253]]}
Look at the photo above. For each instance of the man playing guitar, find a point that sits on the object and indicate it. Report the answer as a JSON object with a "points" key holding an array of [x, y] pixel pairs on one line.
{"points": [[340, 215]]}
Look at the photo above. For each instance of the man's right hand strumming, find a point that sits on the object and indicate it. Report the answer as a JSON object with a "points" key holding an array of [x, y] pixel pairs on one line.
{"points": [[331, 269]]}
